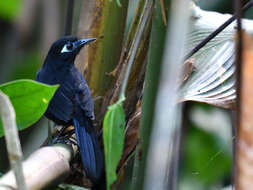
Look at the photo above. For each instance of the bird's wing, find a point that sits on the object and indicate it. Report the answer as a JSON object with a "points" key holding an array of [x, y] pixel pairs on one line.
{"points": [[61, 105], [84, 100], [83, 96]]}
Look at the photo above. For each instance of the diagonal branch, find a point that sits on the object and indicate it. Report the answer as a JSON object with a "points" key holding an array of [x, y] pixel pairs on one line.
{"points": [[42, 168]]}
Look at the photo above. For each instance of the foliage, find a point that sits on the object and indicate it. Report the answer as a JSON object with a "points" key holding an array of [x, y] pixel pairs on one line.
{"points": [[9, 9], [206, 160], [29, 99], [113, 137], [26, 66]]}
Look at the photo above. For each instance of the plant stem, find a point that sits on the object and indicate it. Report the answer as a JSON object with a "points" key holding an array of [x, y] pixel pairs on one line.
{"points": [[157, 40], [12, 140], [161, 171], [237, 178], [69, 17], [146, 13]]}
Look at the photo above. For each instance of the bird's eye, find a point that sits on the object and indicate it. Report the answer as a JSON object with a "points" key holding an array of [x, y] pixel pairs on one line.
{"points": [[69, 46]]}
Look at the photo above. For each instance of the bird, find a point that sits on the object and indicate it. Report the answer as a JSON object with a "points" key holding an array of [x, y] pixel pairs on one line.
{"points": [[72, 103]]}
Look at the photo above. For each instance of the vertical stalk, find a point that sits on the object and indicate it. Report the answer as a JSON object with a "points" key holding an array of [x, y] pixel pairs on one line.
{"points": [[15, 154], [69, 17], [104, 20], [167, 117], [237, 158], [157, 40]]}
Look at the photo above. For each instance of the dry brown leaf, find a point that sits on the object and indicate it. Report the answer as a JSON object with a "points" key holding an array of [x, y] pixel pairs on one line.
{"points": [[131, 137]]}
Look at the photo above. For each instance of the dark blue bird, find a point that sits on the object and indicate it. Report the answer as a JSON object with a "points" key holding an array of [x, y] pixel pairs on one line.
{"points": [[72, 102]]}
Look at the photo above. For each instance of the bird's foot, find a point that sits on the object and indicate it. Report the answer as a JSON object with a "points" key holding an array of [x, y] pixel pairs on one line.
{"points": [[65, 141], [63, 137]]}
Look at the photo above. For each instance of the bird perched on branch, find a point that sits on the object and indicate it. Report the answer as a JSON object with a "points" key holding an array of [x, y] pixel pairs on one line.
{"points": [[72, 103]]}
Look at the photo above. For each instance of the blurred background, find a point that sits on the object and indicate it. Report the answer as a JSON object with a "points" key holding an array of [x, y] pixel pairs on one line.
{"points": [[28, 27]]}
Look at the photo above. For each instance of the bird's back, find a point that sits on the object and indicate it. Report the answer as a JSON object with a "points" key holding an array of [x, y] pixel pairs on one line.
{"points": [[61, 106]]}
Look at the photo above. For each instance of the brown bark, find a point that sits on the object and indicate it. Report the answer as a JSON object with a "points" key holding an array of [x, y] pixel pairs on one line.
{"points": [[244, 175]]}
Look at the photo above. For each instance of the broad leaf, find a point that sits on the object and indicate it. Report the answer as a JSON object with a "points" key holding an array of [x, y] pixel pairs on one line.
{"points": [[29, 99], [213, 79], [113, 137], [9, 9]]}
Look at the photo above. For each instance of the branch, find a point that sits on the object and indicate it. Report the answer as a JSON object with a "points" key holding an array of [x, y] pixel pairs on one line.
{"points": [[12, 140], [42, 167]]}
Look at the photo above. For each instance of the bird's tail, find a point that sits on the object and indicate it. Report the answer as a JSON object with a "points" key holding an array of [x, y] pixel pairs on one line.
{"points": [[91, 154]]}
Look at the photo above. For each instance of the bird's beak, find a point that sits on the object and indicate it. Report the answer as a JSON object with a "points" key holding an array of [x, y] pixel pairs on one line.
{"points": [[80, 43]]}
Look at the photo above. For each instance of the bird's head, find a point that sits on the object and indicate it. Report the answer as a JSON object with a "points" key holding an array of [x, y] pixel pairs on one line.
{"points": [[66, 48]]}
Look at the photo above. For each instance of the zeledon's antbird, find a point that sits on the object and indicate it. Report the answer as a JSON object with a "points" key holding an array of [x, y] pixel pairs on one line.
{"points": [[72, 103]]}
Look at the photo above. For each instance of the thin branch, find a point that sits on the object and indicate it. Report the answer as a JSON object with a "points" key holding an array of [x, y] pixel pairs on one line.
{"points": [[217, 31], [69, 17], [238, 61], [12, 140]]}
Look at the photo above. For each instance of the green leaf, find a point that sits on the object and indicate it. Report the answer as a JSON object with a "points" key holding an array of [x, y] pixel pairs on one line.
{"points": [[9, 9], [206, 159], [69, 187], [30, 100], [118, 3], [113, 137]]}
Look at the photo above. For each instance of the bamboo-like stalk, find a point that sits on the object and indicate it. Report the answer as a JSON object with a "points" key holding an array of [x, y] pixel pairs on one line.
{"points": [[42, 168], [161, 170], [120, 70], [134, 86], [106, 21], [12, 140], [157, 40]]}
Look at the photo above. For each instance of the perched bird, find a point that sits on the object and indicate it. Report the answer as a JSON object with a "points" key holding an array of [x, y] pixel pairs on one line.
{"points": [[72, 103]]}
